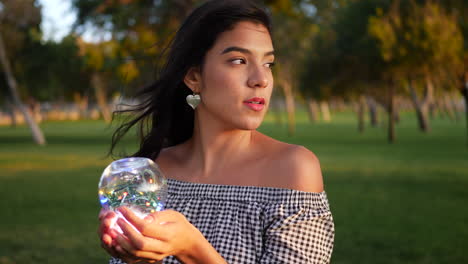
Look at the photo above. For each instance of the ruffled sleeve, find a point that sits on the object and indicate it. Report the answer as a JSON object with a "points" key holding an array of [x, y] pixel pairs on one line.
{"points": [[300, 230]]}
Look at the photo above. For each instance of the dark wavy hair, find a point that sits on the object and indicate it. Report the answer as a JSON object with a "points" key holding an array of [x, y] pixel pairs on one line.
{"points": [[163, 117]]}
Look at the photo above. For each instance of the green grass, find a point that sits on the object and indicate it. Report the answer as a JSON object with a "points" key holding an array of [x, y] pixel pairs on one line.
{"points": [[392, 203]]}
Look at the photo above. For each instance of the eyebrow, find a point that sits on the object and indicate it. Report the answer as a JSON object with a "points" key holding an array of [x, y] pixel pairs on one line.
{"points": [[246, 51]]}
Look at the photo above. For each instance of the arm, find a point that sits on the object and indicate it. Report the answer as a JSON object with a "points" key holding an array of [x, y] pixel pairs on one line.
{"points": [[202, 252], [302, 230], [299, 234], [162, 234], [302, 168]]}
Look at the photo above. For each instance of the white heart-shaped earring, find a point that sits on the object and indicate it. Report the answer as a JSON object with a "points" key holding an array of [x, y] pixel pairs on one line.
{"points": [[193, 100]]}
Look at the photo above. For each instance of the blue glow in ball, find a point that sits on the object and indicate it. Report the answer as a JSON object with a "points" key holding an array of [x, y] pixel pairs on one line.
{"points": [[136, 183]]}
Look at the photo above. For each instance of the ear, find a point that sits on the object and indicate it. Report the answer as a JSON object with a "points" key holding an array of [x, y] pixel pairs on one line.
{"points": [[193, 79]]}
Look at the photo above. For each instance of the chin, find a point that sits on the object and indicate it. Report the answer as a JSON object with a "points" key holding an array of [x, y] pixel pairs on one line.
{"points": [[250, 125], [252, 128]]}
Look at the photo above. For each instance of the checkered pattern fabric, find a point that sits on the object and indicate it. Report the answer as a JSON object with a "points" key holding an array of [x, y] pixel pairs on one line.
{"points": [[262, 225]]}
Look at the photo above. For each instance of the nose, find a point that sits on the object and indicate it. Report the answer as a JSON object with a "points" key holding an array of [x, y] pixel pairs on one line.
{"points": [[258, 77]]}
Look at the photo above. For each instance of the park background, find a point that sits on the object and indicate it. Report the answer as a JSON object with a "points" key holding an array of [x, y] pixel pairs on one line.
{"points": [[377, 89]]}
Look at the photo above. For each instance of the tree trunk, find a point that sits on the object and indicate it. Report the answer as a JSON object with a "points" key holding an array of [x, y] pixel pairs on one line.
{"points": [[325, 110], [373, 112], [454, 106], [276, 108], [290, 108], [312, 110], [464, 91], [396, 111], [37, 134], [35, 109], [422, 106], [100, 92], [10, 108], [440, 108], [449, 107], [433, 110], [391, 113], [360, 111], [340, 105], [421, 113], [81, 102]]}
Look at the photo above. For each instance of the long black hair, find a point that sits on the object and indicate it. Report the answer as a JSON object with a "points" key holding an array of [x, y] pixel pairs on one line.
{"points": [[163, 117]]}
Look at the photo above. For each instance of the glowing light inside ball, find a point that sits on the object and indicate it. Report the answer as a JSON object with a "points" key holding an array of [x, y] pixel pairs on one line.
{"points": [[136, 183]]}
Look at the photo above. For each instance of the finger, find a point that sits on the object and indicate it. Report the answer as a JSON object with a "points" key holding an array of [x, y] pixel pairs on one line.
{"points": [[138, 240], [111, 232], [151, 226], [106, 224], [148, 230], [128, 248], [129, 230], [159, 221], [106, 239], [109, 243], [130, 260], [105, 213], [146, 261], [124, 255], [164, 216], [132, 217], [108, 220], [110, 249], [151, 261], [102, 212]]}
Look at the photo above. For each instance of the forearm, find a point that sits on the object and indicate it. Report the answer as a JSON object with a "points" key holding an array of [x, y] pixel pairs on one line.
{"points": [[202, 252]]}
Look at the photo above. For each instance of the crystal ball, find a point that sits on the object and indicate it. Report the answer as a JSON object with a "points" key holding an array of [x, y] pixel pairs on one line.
{"points": [[136, 183]]}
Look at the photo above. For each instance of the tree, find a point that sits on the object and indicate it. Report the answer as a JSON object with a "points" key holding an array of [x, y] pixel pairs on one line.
{"points": [[137, 33], [460, 9], [18, 19], [343, 60], [294, 27], [419, 43]]}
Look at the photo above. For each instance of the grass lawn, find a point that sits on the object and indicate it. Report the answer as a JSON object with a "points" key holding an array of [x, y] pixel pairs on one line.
{"points": [[399, 203]]}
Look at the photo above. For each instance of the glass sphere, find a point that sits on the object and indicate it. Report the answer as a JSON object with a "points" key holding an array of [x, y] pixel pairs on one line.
{"points": [[136, 183]]}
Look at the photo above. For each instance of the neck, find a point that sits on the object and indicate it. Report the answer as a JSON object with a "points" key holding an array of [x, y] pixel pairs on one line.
{"points": [[214, 148]]}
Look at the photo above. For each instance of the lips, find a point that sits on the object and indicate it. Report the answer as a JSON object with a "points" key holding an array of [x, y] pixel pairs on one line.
{"points": [[256, 103], [256, 100]]}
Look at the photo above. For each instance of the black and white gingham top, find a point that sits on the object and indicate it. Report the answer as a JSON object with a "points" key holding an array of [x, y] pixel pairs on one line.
{"points": [[248, 225]]}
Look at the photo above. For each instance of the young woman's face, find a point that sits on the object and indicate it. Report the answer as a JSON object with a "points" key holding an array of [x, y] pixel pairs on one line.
{"points": [[236, 80]]}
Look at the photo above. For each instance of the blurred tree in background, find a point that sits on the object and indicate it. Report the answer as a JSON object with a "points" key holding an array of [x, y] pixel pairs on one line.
{"points": [[361, 55], [419, 45], [19, 23]]}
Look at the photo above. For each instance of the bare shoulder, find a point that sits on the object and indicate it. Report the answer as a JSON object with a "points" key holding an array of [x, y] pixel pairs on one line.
{"points": [[295, 167], [167, 157]]}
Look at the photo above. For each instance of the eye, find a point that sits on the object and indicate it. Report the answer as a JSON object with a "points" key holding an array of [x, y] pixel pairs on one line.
{"points": [[238, 61], [270, 65]]}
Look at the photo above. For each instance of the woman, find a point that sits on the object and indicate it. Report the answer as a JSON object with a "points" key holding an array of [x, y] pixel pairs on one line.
{"points": [[235, 195]]}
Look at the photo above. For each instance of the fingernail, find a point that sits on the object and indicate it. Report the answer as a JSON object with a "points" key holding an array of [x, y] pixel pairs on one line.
{"points": [[149, 219], [119, 249], [113, 234]]}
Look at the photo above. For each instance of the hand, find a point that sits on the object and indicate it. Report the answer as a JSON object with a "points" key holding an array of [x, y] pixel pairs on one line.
{"points": [[162, 234], [108, 235]]}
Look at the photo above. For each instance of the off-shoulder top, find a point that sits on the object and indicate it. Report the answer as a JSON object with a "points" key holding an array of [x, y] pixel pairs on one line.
{"points": [[249, 224]]}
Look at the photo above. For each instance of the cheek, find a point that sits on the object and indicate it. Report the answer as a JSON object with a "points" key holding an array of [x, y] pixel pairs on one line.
{"points": [[222, 83]]}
